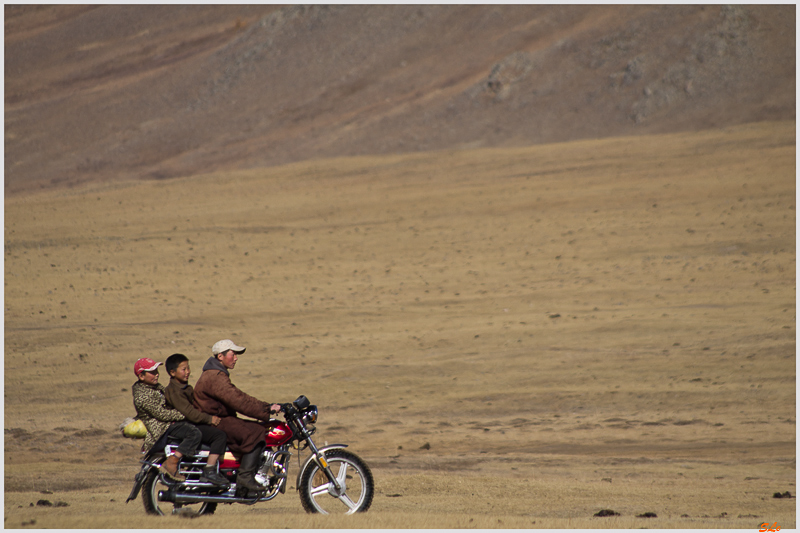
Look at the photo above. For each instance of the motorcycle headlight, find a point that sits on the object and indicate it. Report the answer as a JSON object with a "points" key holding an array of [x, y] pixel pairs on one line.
{"points": [[310, 416]]}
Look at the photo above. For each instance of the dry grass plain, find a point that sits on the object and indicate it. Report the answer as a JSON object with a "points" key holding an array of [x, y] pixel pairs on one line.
{"points": [[512, 338]]}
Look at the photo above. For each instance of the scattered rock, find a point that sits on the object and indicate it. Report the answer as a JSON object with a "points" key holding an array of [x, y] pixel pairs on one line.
{"points": [[555, 316], [689, 422], [48, 503], [647, 515], [786, 494], [607, 512], [18, 433], [394, 495], [426, 446]]}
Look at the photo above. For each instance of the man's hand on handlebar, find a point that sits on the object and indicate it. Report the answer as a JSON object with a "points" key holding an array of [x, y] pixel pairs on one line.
{"points": [[275, 408]]}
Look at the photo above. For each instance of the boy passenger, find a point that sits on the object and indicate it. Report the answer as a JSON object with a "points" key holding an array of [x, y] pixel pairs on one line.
{"points": [[180, 395]]}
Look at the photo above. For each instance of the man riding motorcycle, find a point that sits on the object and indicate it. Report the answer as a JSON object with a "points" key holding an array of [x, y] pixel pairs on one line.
{"points": [[216, 395]]}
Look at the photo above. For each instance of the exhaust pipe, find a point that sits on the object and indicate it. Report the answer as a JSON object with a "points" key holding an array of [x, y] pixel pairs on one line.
{"points": [[183, 497]]}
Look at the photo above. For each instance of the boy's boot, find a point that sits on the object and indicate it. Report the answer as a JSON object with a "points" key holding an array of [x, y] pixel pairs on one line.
{"points": [[170, 468], [210, 475], [247, 470]]}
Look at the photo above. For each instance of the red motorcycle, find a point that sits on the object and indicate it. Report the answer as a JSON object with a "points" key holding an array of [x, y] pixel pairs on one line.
{"points": [[330, 480]]}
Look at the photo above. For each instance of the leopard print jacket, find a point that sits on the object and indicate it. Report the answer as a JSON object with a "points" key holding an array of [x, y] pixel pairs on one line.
{"points": [[151, 406]]}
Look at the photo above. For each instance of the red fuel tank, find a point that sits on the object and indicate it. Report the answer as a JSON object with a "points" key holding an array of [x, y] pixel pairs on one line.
{"points": [[278, 434]]}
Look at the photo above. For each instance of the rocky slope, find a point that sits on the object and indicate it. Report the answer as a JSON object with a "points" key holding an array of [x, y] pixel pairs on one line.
{"points": [[122, 91]]}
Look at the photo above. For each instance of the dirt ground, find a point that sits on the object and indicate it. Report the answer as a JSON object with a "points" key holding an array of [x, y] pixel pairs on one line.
{"points": [[511, 337]]}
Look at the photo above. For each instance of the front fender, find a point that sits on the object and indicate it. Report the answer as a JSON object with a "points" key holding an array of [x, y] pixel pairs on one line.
{"points": [[311, 458]]}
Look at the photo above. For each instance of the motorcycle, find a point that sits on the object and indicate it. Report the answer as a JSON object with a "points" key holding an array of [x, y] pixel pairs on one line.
{"points": [[330, 480]]}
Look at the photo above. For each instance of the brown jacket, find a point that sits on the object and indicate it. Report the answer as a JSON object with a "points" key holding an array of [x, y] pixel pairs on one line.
{"points": [[216, 395], [180, 396]]}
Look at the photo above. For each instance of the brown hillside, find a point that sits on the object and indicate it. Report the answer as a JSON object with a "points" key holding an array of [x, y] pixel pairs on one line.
{"points": [[116, 92]]}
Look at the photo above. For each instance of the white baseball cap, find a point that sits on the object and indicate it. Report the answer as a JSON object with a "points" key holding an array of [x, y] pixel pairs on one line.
{"points": [[224, 346]]}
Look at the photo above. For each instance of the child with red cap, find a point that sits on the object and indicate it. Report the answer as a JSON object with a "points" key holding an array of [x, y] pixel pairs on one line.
{"points": [[160, 419]]}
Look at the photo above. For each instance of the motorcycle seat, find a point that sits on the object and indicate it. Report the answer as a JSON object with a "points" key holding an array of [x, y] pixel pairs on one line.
{"points": [[173, 441], [165, 440]]}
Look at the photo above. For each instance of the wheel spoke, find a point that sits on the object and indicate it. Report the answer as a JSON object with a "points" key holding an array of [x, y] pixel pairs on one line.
{"points": [[345, 499], [341, 477], [320, 490]]}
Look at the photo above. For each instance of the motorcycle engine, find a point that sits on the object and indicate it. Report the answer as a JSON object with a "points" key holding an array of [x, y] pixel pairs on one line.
{"points": [[272, 473], [266, 469]]}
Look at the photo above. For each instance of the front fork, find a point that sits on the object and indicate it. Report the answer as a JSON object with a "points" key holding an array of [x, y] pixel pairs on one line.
{"points": [[319, 457]]}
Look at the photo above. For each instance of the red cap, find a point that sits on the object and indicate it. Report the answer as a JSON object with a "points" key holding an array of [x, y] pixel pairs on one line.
{"points": [[145, 364]]}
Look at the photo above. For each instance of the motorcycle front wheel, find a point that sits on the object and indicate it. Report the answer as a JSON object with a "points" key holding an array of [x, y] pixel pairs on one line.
{"points": [[319, 495], [154, 483]]}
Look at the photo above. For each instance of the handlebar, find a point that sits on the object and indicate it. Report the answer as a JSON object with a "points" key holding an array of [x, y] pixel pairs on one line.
{"points": [[292, 410]]}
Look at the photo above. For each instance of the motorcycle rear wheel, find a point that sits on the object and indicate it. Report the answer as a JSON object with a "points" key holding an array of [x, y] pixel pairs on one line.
{"points": [[150, 488], [318, 495]]}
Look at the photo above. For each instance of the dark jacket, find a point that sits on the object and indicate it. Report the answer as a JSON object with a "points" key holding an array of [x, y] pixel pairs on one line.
{"points": [[180, 396]]}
